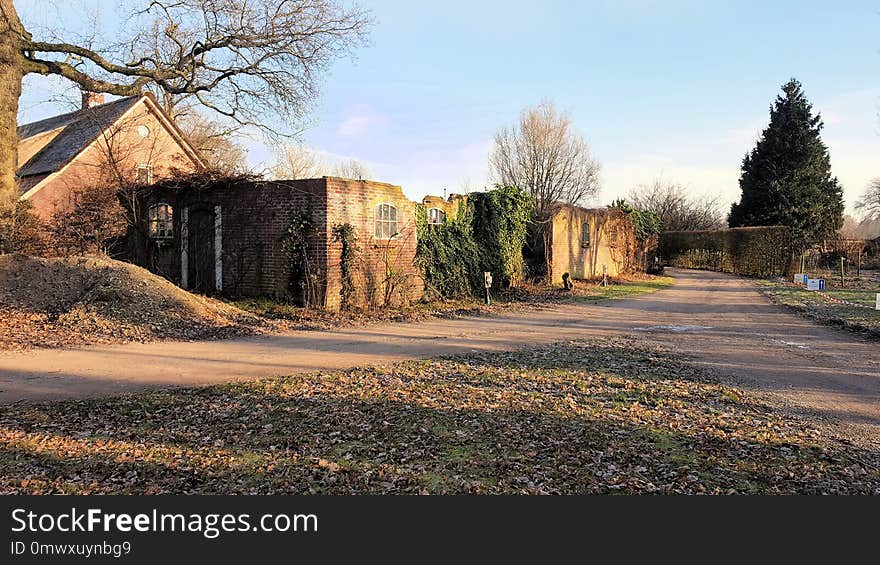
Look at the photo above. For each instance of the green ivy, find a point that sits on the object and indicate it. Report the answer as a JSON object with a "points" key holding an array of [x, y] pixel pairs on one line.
{"points": [[447, 253], [486, 234], [501, 222], [347, 235], [645, 223]]}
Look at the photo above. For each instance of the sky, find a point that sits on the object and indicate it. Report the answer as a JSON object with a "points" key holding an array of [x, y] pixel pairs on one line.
{"points": [[678, 90]]}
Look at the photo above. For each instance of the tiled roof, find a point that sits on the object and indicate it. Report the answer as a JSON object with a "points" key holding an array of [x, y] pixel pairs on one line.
{"points": [[80, 128]]}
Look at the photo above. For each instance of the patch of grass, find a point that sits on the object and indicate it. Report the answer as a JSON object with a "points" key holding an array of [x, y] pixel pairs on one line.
{"points": [[520, 297], [626, 289], [603, 416], [819, 308]]}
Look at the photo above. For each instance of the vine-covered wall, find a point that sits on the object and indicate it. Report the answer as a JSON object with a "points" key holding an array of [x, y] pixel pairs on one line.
{"points": [[484, 231]]}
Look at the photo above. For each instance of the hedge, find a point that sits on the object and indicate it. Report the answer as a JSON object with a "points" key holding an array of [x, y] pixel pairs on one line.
{"points": [[754, 251]]}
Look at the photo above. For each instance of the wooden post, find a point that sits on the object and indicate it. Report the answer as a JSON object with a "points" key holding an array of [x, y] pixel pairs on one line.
{"points": [[842, 273]]}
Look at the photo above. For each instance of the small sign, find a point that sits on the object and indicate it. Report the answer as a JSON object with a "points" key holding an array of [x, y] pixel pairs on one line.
{"points": [[487, 279], [801, 278], [815, 284]]}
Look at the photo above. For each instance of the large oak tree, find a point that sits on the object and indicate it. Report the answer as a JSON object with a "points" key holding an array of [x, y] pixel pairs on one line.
{"points": [[249, 61]]}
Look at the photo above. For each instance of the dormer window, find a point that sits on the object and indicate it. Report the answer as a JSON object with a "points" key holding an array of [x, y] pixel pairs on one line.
{"points": [[161, 221]]}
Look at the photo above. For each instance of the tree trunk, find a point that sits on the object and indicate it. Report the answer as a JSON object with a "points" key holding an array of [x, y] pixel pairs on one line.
{"points": [[11, 73]]}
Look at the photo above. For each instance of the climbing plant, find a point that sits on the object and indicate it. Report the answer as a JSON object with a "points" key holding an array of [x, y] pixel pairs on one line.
{"points": [[447, 253], [487, 233], [347, 236], [501, 219], [304, 282]]}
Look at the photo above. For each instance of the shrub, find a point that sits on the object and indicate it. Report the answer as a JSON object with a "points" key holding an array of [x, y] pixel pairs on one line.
{"points": [[20, 229], [755, 251]]}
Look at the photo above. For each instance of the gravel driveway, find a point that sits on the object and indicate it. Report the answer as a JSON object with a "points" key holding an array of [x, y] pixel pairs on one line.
{"points": [[721, 321]]}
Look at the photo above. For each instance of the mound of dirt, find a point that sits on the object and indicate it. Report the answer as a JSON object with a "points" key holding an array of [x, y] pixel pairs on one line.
{"points": [[89, 300]]}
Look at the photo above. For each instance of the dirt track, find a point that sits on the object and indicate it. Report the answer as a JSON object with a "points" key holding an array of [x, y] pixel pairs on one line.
{"points": [[722, 321]]}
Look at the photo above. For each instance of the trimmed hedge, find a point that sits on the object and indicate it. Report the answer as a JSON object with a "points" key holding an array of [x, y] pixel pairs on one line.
{"points": [[755, 251]]}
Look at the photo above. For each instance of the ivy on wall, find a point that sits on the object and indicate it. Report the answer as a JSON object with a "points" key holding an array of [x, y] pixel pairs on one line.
{"points": [[447, 253], [501, 219], [304, 284], [486, 234], [347, 236]]}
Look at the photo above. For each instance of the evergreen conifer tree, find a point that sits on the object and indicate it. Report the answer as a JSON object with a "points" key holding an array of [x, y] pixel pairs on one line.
{"points": [[786, 179]]}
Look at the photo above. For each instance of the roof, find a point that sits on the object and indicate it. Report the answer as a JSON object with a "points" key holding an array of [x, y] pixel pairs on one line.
{"points": [[78, 130]]}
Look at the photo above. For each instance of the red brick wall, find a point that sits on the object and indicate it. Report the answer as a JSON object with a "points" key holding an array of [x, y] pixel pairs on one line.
{"points": [[354, 202], [255, 216]]}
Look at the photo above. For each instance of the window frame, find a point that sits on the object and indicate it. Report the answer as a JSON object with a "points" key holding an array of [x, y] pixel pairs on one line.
{"points": [[384, 227], [144, 167], [586, 239], [440, 218], [160, 221]]}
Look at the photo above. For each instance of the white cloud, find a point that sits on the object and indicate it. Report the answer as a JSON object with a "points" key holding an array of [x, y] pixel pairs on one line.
{"points": [[358, 122]]}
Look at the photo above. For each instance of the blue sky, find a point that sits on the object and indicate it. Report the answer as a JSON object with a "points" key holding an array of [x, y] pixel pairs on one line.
{"points": [[674, 89]]}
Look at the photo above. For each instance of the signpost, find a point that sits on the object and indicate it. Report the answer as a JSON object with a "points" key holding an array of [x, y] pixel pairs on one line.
{"points": [[815, 284], [801, 278], [487, 281]]}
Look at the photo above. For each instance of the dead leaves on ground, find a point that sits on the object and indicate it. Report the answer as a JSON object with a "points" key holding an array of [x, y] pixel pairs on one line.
{"points": [[598, 417]]}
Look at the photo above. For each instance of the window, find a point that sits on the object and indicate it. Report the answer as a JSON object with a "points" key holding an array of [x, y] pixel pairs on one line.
{"points": [[612, 237], [585, 234], [436, 216], [386, 221], [161, 221], [143, 131], [145, 174]]}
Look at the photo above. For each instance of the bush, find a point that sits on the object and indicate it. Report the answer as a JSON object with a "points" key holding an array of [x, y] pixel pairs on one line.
{"points": [[755, 251], [20, 229]]}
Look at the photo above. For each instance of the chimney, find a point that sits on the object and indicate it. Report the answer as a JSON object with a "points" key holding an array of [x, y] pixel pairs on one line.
{"points": [[91, 99]]}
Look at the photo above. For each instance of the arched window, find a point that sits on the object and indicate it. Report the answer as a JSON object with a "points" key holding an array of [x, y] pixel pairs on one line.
{"points": [[386, 221], [161, 221], [585, 234], [436, 216]]}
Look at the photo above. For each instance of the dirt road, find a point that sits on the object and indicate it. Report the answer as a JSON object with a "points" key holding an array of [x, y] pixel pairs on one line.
{"points": [[721, 321]]}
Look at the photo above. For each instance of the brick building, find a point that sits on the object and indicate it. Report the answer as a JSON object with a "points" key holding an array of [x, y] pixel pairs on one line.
{"points": [[587, 241], [131, 138], [230, 238]]}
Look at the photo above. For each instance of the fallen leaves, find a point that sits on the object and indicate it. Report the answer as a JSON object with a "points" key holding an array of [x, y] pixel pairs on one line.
{"points": [[596, 417]]}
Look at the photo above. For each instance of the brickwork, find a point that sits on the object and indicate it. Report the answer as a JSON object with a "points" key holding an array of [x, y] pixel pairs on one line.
{"points": [[256, 215]]}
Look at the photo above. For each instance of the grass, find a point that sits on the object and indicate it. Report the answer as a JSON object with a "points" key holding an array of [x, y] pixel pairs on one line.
{"points": [[606, 416], [524, 296], [815, 306], [626, 289]]}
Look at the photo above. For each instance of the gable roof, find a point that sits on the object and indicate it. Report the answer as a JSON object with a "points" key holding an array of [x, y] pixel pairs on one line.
{"points": [[68, 135], [77, 130]]}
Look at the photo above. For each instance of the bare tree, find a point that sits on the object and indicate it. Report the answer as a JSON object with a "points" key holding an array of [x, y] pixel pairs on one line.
{"points": [[869, 203], [351, 169], [244, 59], [676, 209], [296, 161], [214, 142], [543, 155]]}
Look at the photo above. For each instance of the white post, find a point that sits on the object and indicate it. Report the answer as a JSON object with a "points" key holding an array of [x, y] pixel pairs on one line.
{"points": [[218, 248], [878, 302], [184, 248]]}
